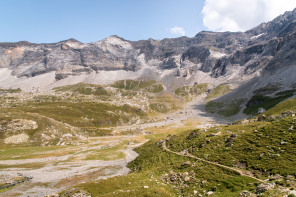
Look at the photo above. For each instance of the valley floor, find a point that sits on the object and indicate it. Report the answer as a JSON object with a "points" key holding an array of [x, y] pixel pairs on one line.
{"points": [[57, 168]]}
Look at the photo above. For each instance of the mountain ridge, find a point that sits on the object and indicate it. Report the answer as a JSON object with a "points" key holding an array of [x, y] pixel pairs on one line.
{"points": [[218, 54]]}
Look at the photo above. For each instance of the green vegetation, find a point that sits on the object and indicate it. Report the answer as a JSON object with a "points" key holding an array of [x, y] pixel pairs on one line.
{"points": [[107, 152], [264, 148], [266, 102], [84, 109], [58, 118], [156, 88], [18, 90], [136, 184], [27, 152], [164, 103], [258, 145], [224, 108], [268, 89], [132, 84], [220, 90], [161, 163], [86, 89], [284, 106], [188, 92], [106, 156], [85, 114]]}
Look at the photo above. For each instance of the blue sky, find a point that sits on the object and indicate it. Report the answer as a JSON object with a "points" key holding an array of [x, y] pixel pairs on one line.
{"points": [[47, 21], [92, 20]]}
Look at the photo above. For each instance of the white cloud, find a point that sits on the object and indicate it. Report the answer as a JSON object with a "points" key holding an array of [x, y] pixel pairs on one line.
{"points": [[178, 30], [241, 15]]}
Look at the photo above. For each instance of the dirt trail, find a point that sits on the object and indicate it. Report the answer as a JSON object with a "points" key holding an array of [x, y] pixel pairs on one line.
{"points": [[240, 172]]}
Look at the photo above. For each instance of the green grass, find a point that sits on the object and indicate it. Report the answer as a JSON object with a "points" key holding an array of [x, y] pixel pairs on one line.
{"points": [[25, 152], [87, 119], [284, 106], [220, 90], [105, 155], [6, 189], [108, 153], [189, 92], [268, 89], [156, 88], [153, 159], [257, 145], [226, 109], [132, 84], [85, 114], [164, 103], [247, 146], [129, 185], [213, 107], [86, 89], [18, 90], [266, 102]]}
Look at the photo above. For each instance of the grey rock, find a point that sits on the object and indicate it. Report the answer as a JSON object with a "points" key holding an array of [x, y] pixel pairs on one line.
{"points": [[264, 187], [246, 194], [261, 110], [268, 47]]}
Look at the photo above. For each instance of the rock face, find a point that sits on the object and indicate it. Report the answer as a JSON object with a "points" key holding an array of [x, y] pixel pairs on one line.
{"points": [[267, 48]]}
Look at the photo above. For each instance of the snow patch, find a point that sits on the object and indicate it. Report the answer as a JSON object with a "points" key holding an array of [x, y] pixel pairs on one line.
{"points": [[258, 36], [217, 54]]}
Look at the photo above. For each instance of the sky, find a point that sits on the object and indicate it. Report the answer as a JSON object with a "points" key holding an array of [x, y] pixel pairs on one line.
{"points": [[48, 21]]}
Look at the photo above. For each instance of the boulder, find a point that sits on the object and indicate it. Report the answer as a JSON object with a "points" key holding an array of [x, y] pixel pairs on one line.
{"points": [[261, 110], [186, 164], [17, 139], [245, 194], [264, 187]]}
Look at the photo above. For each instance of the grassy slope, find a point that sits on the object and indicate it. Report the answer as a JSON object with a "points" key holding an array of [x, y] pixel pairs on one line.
{"points": [[87, 107], [188, 92], [219, 91], [266, 102], [84, 114], [224, 108], [256, 145]]}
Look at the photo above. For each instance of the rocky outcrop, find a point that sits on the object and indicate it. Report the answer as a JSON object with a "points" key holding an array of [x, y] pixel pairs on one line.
{"points": [[264, 187], [268, 47]]}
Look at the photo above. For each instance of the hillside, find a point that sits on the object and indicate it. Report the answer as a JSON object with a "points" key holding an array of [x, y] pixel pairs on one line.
{"points": [[252, 155], [211, 115]]}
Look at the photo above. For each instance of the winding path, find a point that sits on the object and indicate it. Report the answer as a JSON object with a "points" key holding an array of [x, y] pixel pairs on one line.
{"points": [[240, 172]]}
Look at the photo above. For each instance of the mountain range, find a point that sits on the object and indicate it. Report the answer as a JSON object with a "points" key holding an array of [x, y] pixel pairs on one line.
{"points": [[216, 57]]}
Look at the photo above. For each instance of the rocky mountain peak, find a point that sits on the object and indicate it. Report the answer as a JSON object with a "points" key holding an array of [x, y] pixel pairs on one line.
{"points": [[71, 40], [280, 26], [267, 47]]}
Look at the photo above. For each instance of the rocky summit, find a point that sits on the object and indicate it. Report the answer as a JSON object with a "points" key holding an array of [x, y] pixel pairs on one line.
{"points": [[266, 50]]}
